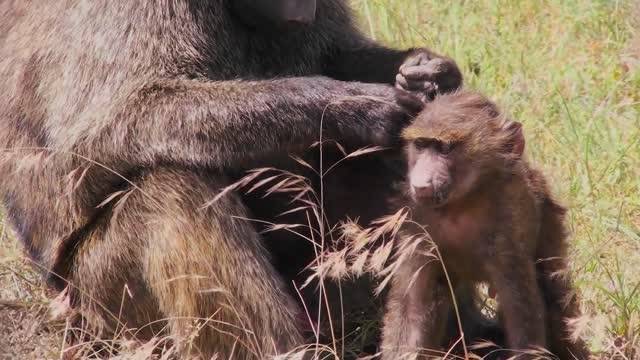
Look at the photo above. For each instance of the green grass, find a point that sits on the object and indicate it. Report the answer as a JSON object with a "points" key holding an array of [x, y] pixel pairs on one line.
{"points": [[570, 71]]}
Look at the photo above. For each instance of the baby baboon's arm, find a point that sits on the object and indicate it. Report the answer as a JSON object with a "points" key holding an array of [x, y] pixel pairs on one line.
{"points": [[512, 273], [417, 309]]}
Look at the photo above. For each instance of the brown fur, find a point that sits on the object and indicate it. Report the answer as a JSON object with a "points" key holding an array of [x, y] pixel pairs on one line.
{"points": [[495, 222], [121, 119]]}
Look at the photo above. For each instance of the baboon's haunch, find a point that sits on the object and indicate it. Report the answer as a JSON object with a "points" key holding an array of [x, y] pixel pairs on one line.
{"points": [[120, 119], [492, 219]]}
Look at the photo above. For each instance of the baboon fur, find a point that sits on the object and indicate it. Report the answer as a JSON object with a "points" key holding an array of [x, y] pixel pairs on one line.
{"points": [[492, 217]]}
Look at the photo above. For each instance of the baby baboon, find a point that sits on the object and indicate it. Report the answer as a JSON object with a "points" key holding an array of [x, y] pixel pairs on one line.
{"points": [[492, 219]]}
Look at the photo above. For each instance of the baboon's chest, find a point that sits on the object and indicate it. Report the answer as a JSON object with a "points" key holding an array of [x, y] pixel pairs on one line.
{"points": [[461, 233], [270, 54]]}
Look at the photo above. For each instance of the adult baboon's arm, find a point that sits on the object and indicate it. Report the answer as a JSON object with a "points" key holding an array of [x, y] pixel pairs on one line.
{"points": [[361, 59], [365, 61], [232, 124]]}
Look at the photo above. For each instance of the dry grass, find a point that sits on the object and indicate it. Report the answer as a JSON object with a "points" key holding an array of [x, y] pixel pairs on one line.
{"points": [[25, 330]]}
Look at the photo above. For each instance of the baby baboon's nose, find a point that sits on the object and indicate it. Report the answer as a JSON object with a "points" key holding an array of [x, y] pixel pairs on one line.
{"points": [[425, 191]]}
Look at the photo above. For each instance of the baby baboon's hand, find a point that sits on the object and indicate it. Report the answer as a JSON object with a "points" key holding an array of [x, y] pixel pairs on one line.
{"points": [[427, 74]]}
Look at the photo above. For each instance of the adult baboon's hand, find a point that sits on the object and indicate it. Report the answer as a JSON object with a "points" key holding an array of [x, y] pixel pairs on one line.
{"points": [[426, 74], [374, 115]]}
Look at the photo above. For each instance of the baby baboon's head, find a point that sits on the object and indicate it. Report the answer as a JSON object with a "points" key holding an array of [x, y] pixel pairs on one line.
{"points": [[457, 142]]}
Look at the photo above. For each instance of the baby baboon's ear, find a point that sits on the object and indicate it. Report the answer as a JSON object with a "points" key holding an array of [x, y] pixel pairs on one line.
{"points": [[515, 137]]}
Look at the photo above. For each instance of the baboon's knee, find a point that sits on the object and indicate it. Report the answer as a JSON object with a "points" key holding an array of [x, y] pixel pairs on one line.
{"points": [[165, 259], [212, 276]]}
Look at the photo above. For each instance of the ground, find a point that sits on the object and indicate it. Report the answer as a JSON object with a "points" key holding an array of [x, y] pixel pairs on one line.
{"points": [[570, 71]]}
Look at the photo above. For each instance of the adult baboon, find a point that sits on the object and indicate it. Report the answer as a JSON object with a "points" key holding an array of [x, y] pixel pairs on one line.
{"points": [[492, 218], [120, 119]]}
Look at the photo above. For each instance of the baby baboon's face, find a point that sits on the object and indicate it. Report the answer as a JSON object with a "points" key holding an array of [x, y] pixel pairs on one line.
{"points": [[431, 167]]}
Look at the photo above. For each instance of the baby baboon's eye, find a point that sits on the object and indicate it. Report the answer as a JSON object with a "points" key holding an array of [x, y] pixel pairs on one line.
{"points": [[423, 143], [446, 148], [434, 144]]}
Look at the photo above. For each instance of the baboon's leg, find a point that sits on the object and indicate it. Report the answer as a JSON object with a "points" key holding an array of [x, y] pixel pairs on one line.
{"points": [[207, 271], [514, 278], [417, 308], [562, 306]]}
